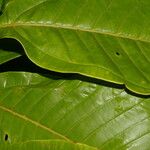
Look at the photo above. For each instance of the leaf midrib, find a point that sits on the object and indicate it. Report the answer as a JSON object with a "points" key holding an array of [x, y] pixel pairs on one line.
{"points": [[23, 117], [81, 29]]}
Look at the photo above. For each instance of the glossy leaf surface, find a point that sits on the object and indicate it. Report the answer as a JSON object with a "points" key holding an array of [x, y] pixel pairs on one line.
{"points": [[35, 107], [104, 39]]}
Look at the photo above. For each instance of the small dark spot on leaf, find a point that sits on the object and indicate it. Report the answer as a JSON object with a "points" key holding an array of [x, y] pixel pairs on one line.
{"points": [[1, 12], [117, 53], [6, 137]]}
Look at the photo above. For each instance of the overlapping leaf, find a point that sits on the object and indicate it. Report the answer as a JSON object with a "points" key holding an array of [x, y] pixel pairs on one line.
{"points": [[34, 107], [9, 50], [7, 55], [104, 39]]}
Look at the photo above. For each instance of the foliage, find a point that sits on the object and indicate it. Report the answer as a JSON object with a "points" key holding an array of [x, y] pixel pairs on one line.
{"points": [[74, 75]]}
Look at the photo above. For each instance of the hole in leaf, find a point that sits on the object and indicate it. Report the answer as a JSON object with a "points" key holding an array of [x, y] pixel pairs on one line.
{"points": [[117, 53], [6, 137]]}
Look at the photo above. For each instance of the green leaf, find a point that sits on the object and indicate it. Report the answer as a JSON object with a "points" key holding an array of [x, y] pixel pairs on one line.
{"points": [[35, 107], [9, 49], [7, 55], [48, 145], [104, 39]]}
